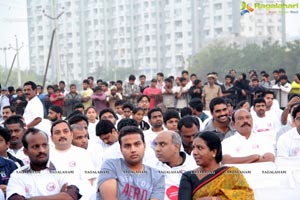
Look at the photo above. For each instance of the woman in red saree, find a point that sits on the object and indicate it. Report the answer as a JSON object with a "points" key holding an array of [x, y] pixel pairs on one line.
{"points": [[211, 181]]}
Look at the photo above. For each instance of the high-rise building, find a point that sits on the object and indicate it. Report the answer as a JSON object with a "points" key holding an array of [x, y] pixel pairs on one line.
{"points": [[100, 37]]}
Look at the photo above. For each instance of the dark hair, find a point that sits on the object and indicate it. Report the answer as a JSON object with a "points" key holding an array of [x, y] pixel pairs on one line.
{"points": [[78, 105], [31, 83], [19, 89], [15, 119], [137, 109], [268, 92], [50, 86], [241, 104], [171, 113], [11, 89], [281, 70], [75, 112], [126, 122], [90, 107], [129, 130], [229, 101], [119, 81], [5, 133], [169, 80], [91, 77], [142, 76], [105, 83], [99, 80], [160, 74], [11, 108], [188, 122], [295, 111], [258, 100], [194, 102], [72, 85], [104, 127], [193, 74], [127, 105], [131, 77], [141, 97], [32, 131], [213, 142], [63, 82], [266, 75], [40, 86], [156, 109], [283, 77], [182, 79], [186, 111], [255, 79], [86, 81], [216, 101], [119, 103], [77, 118], [197, 81], [59, 122], [184, 72], [275, 71], [56, 109], [105, 110], [97, 88]]}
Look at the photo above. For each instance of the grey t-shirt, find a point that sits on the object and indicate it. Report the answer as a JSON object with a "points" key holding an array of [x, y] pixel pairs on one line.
{"points": [[132, 186]]}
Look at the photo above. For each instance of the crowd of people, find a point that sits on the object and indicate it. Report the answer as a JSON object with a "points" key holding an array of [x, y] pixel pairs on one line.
{"points": [[172, 139]]}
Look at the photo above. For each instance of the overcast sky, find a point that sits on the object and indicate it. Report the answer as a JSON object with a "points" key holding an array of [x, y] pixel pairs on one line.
{"points": [[13, 21]]}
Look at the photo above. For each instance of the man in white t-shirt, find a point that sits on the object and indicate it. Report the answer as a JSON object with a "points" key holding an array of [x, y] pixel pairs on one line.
{"points": [[263, 125], [289, 143], [67, 157], [244, 146], [108, 135], [34, 111], [172, 162], [40, 179]]}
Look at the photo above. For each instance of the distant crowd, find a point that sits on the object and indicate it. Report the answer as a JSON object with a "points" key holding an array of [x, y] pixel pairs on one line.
{"points": [[104, 138]]}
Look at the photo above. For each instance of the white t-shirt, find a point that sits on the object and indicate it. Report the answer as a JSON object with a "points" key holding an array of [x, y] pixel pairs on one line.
{"points": [[238, 146], [77, 162], [92, 130], [28, 183], [33, 110], [289, 144], [96, 153], [264, 126], [20, 155], [112, 151], [173, 174]]}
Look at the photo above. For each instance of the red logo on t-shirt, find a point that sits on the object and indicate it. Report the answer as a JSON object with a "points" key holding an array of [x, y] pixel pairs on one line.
{"points": [[172, 192]]}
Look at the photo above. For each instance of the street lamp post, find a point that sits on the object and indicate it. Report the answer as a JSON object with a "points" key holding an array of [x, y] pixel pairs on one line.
{"points": [[56, 45], [17, 49]]}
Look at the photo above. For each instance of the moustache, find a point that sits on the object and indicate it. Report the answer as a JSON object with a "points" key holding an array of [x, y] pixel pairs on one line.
{"points": [[62, 139], [41, 154], [246, 124]]}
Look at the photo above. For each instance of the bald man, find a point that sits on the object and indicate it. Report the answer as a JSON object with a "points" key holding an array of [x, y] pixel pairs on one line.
{"points": [[172, 162]]}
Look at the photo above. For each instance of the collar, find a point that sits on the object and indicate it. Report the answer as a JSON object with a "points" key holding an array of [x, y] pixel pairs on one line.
{"points": [[49, 166]]}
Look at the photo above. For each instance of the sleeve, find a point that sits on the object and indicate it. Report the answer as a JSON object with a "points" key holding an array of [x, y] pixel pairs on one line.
{"points": [[158, 191], [108, 171], [15, 185], [286, 88], [282, 147], [185, 187]]}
